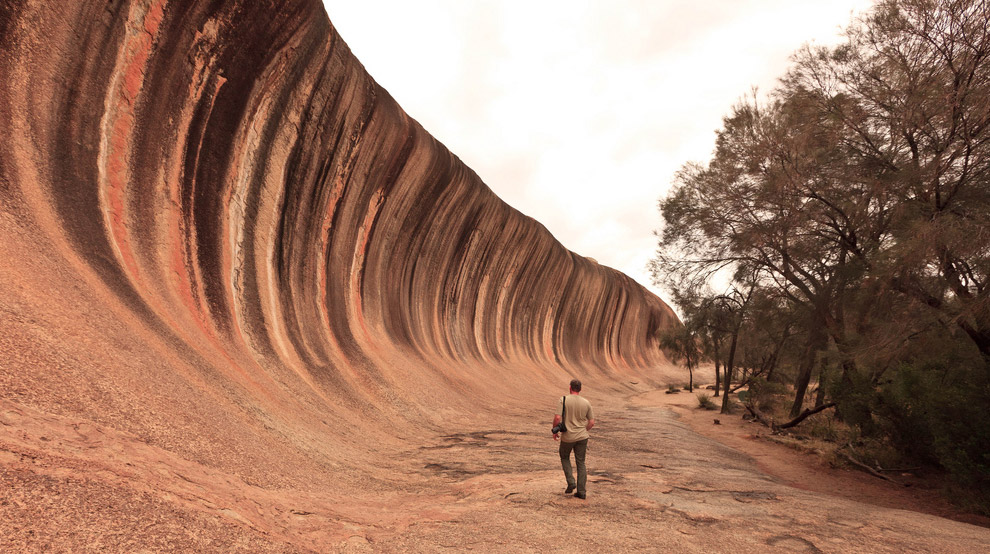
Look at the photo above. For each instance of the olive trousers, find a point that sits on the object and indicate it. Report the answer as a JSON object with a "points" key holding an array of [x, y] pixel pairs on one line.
{"points": [[580, 448]]}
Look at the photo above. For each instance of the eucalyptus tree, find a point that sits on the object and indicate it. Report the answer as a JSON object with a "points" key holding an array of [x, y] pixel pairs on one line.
{"points": [[868, 167], [780, 199], [911, 87], [732, 305], [681, 344], [858, 194], [770, 325]]}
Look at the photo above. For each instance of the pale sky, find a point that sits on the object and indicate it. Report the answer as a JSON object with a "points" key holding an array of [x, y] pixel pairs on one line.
{"points": [[578, 113]]}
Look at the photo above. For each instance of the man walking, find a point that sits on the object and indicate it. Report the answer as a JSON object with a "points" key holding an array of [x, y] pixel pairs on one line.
{"points": [[578, 419]]}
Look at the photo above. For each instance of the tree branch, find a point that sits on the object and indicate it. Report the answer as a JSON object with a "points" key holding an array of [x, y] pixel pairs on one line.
{"points": [[864, 467], [805, 414]]}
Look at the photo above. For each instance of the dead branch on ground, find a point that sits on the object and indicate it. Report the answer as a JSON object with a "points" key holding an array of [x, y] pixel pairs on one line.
{"points": [[863, 466]]}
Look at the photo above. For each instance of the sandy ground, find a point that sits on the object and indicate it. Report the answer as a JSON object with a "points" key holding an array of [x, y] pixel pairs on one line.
{"points": [[808, 471], [655, 485]]}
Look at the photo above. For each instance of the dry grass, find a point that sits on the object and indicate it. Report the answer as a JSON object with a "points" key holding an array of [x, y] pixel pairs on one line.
{"points": [[705, 401]]}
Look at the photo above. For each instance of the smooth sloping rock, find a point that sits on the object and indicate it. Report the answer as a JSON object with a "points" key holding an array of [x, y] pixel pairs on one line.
{"points": [[232, 265]]}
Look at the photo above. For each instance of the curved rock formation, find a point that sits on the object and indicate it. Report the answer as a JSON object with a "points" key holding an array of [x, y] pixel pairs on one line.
{"points": [[222, 239]]}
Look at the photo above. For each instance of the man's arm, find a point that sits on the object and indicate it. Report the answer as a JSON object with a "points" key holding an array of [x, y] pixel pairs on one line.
{"points": [[591, 423], [556, 419]]}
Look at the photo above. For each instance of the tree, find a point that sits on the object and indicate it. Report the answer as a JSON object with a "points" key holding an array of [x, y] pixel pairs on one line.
{"points": [[733, 304], [769, 327], [780, 201], [855, 201], [712, 326], [912, 88], [681, 343]]}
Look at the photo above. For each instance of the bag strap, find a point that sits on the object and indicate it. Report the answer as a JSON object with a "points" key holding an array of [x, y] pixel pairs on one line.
{"points": [[563, 408]]}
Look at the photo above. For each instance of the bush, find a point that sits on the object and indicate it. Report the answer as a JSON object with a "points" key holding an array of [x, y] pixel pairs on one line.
{"points": [[705, 401], [766, 396], [937, 413], [826, 428], [857, 400]]}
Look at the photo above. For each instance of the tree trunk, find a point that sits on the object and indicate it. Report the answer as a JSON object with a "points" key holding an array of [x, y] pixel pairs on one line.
{"points": [[728, 371], [718, 376], [807, 365], [820, 397], [775, 357], [838, 335], [980, 337], [979, 333]]}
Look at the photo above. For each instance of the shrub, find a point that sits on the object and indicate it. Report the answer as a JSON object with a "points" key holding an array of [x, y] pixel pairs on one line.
{"points": [[826, 427], [705, 401], [937, 413], [766, 396]]}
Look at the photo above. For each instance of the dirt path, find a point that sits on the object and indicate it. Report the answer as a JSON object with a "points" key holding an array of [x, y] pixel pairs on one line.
{"points": [[806, 470]]}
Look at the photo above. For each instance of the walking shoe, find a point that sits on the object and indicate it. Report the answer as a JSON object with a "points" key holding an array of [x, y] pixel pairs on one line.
{"points": [[570, 489], [580, 495]]}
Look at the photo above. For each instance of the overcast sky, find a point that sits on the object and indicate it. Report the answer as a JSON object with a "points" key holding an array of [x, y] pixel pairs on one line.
{"points": [[578, 113]]}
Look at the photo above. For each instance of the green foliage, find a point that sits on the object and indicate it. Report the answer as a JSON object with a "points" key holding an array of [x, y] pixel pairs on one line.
{"points": [[939, 414], [856, 396], [826, 427], [705, 401], [852, 204], [766, 396]]}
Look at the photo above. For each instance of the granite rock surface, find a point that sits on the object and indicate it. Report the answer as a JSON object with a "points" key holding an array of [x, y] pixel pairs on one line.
{"points": [[232, 265], [247, 304]]}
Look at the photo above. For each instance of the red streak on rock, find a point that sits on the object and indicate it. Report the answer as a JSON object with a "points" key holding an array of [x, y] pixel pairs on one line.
{"points": [[357, 266], [326, 238], [287, 313], [138, 49]]}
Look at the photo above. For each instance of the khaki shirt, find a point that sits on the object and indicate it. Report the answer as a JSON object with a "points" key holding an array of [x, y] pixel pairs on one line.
{"points": [[578, 413]]}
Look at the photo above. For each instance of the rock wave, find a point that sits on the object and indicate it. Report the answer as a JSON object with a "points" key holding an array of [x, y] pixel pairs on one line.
{"points": [[231, 172]]}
